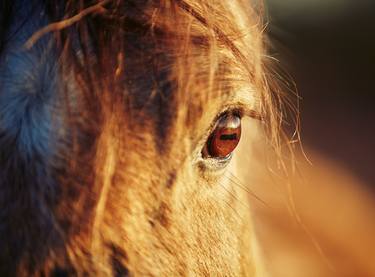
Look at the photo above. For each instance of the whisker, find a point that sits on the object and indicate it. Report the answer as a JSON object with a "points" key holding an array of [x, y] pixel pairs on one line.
{"points": [[228, 204], [238, 183]]}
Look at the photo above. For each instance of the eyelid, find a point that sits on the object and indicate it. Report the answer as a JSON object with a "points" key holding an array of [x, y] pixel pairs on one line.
{"points": [[241, 110], [254, 114], [236, 108]]}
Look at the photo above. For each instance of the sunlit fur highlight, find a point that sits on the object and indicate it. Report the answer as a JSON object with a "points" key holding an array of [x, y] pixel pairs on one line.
{"points": [[139, 80]]}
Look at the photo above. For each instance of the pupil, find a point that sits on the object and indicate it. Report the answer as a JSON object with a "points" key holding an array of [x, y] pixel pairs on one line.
{"points": [[228, 137]]}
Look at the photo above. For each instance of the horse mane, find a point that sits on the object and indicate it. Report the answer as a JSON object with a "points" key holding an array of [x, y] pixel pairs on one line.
{"points": [[109, 30], [174, 54], [178, 26]]}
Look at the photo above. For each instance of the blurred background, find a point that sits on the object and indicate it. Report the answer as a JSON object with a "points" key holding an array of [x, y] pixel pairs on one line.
{"points": [[328, 47]]}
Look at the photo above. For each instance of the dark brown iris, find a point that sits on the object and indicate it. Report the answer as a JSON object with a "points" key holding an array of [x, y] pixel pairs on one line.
{"points": [[225, 137]]}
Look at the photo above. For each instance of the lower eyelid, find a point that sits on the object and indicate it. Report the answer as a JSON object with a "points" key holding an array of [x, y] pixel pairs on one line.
{"points": [[213, 164]]}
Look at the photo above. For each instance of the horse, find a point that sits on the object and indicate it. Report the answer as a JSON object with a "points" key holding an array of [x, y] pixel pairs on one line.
{"points": [[122, 137], [118, 123]]}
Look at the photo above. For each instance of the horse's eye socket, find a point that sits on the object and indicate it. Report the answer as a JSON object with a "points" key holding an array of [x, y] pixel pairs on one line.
{"points": [[225, 137]]}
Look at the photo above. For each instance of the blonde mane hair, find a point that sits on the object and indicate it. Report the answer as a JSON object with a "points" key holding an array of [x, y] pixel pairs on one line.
{"points": [[225, 38], [136, 80]]}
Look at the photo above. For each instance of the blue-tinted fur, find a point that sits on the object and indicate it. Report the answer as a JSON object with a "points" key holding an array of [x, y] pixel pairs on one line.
{"points": [[27, 82], [44, 169], [28, 86]]}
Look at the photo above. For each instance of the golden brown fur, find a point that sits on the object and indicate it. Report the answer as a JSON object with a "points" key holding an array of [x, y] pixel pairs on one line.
{"points": [[139, 86], [163, 210], [142, 84]]}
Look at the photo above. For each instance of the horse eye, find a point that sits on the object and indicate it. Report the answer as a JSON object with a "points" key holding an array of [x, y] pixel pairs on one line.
{"points": [[225, 137]]}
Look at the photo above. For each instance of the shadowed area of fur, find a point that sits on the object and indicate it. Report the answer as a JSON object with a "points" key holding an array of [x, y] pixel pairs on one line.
{"points": [[102, 122]]}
